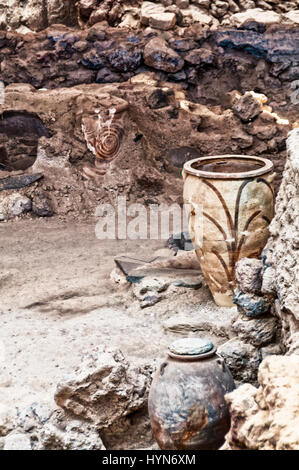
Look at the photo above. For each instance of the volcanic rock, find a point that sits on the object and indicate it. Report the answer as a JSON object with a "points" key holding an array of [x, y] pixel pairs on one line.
{"points": [[105, 75], [258, 331], [200, 56], [271, 45], [264, 127], [247, 107], [124, 59], [250, 304], [158, 55], [242, 359], [93, 60], [249, 275], [157, 99], [41, 204]]}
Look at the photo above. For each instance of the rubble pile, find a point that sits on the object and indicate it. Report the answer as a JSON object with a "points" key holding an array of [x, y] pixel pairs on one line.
{"points": [[266, 418], [104, 400], [161, 14]]}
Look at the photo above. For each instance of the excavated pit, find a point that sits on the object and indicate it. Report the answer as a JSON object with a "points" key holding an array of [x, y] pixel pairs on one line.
{"points": [[205, 67]]}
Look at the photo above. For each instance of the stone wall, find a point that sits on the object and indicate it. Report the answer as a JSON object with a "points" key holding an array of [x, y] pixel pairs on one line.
{"points": [[267, 418], [267, 296], [36, 15], [165, 14], [282, 276], [265, 61]]}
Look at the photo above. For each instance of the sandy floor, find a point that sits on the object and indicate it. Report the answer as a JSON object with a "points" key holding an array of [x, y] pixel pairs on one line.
{"points": [[58, 302]]}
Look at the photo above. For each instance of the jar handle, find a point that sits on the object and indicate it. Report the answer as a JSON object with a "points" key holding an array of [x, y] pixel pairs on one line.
{"points": [[221, 363], [162, 368]]}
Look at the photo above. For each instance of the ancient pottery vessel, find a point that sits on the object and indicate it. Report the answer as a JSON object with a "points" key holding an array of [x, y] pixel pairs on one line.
{"points": [[186, 401], [230, 201]]}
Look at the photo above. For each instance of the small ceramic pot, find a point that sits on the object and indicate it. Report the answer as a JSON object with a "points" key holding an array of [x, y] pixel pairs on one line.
{"points": [[186, 401], [231, 204]]}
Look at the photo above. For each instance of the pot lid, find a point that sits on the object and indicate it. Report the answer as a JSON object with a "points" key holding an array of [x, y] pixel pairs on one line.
{"points": [[191, 347]]}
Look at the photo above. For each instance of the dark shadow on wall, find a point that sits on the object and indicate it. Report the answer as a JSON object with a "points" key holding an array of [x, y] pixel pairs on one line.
{"points": [[19, 135]]}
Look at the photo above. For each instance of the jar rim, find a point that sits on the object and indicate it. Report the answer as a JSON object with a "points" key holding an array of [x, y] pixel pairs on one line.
{"points": [[266, 166]]}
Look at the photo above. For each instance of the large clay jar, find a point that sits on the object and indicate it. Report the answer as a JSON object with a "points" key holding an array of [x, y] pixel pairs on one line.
{"points": [[186, 401], [230, 201]]}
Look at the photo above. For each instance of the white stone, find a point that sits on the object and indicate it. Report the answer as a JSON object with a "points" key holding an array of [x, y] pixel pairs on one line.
{"points": [[105, 388], [73, 435], [211, 319], [255, 14], [282, 245], [292, 16], [197, 15], [148, 9], [203, 3], [163, 21], [150, 286], [14, 205], [7, 419], [17, 441]]}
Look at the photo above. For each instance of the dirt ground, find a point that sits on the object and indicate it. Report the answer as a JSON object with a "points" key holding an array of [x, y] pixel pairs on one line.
{"points": [[58, 303]]}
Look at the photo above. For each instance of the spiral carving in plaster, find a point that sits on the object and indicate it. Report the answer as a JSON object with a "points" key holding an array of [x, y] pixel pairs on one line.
{"points": [[103, 139], [107, 143]]}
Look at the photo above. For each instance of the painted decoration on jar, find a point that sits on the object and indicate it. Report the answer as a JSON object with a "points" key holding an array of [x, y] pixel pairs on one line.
{"points": [[230, 200]]}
